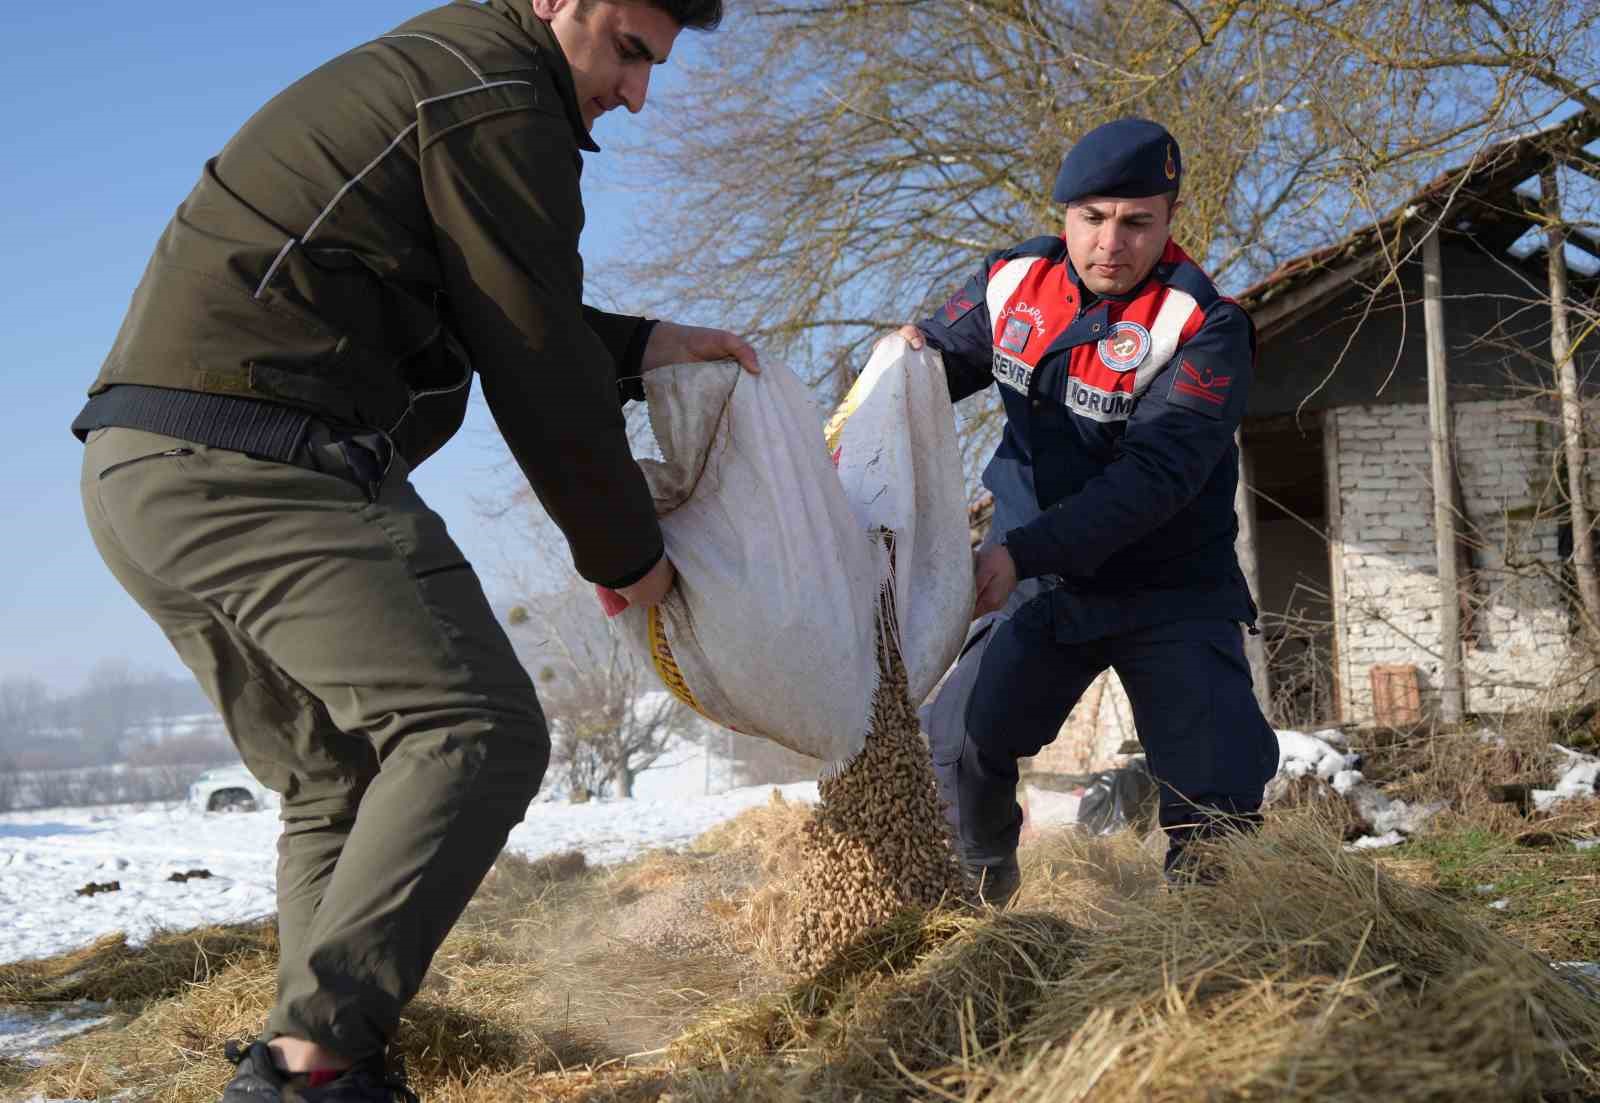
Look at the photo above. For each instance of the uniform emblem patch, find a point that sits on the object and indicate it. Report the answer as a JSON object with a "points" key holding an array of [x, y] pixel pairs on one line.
{"points": [[958, 307], [1199, 389], [1125, 347], [1014, 338]]}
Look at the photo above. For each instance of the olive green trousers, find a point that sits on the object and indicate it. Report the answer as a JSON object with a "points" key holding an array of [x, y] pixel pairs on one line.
{"points": [[361, 673]]}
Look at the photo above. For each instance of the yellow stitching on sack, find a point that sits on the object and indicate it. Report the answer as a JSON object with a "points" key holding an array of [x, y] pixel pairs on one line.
{"points": [[666, 666]]}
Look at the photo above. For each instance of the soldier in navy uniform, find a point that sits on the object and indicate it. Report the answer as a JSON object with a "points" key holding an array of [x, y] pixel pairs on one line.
{"points": [[1124, 374]]}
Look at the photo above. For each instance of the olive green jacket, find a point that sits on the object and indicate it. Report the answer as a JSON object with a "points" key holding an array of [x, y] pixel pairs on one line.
{"points": [[401, 217]]}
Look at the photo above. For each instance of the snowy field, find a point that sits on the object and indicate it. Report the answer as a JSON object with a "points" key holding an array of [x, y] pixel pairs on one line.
{"points": [[46, 856]]}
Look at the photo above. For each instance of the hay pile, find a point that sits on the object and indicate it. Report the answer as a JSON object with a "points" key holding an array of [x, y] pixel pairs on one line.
{"points": [[1306, 974], [877, 843]]}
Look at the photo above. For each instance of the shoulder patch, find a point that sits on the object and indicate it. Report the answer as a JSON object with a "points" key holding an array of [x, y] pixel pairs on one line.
{"points": [[960, 305], [1199, 389]]}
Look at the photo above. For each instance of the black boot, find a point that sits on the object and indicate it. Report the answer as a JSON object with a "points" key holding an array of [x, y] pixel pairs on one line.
{"points": [[995, 880], [1191, 864], [256, 1079]]}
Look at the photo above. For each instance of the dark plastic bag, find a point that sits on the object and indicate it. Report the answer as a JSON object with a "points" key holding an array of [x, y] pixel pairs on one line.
{"points": [[1118, 798]]}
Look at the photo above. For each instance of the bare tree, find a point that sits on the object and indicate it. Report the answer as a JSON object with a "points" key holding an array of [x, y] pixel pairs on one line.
{"points": [[10, 785], [609, 717], [24, 711], [107, 707], [184, 751], [857, 160], [576, 761]]}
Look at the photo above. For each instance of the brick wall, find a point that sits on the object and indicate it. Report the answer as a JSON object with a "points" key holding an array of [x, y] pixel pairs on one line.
{"points": [[1520, 649], [1099, 724], [1520, 642]]}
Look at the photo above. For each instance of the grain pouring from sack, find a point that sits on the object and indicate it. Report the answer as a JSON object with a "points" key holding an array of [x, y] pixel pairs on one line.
{"points": [[877, 843]]}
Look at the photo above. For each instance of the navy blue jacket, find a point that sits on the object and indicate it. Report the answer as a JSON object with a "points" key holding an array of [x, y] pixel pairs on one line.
{"points": [[1116, 474]]}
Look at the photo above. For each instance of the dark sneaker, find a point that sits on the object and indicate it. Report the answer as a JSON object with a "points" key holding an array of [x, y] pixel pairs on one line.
{"points": [[995, 881], [257, 1080]]}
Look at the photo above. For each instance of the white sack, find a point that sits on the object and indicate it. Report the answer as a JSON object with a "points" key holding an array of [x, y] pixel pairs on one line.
{"points": [[771, 620], [770, 627], [894, 437]]}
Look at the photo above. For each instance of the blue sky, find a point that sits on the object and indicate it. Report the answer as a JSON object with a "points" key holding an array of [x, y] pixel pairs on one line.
{"points": [[113, 109]]}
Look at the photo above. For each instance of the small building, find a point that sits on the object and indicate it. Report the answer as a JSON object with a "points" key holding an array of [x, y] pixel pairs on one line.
{"points": [[1420, 343]]}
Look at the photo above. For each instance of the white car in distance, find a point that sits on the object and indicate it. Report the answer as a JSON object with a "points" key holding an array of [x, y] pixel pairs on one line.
{"points": [[229, 789]]}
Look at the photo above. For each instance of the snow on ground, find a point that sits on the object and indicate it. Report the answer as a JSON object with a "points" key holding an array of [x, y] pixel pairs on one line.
{"points": [[611, 830], [1300, 754], [1581, 778], [46, 856], [25, 1035], [1048, 808], [1388, 821]]}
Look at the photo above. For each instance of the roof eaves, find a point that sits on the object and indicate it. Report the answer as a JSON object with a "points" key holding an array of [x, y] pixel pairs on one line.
{"points": [[1492, 175]]}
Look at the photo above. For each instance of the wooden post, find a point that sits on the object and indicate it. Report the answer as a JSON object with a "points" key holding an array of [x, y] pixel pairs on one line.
{"points": [[1334, 509], [1571, 401], [1246, 546], [1444, 520]]}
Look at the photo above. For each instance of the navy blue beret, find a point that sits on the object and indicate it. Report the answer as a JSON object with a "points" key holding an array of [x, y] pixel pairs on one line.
{"points": [[1125, 159]]}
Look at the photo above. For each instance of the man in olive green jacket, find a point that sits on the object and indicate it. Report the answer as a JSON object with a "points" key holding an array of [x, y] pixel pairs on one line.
{"points": [[306, 332]]}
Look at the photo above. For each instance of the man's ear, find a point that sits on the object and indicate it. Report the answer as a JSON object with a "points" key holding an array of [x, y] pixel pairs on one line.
{"points": [[546, 10]]}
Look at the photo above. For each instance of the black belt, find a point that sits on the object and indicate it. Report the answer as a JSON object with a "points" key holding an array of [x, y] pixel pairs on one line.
{"points": [[262, 429]]}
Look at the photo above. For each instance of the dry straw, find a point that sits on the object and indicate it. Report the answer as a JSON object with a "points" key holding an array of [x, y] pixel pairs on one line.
{"points": [[1306, 974]]}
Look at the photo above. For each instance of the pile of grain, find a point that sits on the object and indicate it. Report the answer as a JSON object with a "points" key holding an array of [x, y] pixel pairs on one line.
{"points": [[877, 843]]}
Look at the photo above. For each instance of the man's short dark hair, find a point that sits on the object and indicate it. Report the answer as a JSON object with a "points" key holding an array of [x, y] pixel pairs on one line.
{"points": [[699, 15]]}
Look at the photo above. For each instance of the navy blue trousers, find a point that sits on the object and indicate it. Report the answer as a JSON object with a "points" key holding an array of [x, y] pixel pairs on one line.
{"points": [[1206, 742]]}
